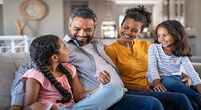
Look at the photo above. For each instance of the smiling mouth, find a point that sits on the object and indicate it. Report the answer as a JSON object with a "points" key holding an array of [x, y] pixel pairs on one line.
{"points": [[84, 38], [127, 37]]}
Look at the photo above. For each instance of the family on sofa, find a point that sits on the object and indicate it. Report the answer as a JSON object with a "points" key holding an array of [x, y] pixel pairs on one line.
{"points": [[117, 82]]}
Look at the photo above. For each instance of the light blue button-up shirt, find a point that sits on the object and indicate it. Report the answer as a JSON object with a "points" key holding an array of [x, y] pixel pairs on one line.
{"points": [[86, 65]]}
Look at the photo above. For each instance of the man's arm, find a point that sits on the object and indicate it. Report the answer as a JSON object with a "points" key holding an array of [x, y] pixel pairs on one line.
{"points": [[18, 87]]}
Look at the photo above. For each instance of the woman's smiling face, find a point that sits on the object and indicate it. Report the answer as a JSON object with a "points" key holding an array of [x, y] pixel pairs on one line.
{"points": [[130, 29]]}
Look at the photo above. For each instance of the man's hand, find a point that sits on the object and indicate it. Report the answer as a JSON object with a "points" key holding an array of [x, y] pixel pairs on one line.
{"points": [[104, 77], [158, 86], [185, 79]]}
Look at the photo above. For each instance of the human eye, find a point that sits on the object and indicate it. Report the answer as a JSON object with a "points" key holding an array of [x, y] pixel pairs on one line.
{"points": [[125, 27], [165, 35], [135, 31], [76, 29], [88, 30]]}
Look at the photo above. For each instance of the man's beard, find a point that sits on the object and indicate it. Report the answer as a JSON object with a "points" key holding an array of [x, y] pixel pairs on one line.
{"points": [[81, 43]]}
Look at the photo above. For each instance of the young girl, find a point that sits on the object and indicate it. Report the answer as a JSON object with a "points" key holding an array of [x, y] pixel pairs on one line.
{"points": [[165, 58], [56, 83]]}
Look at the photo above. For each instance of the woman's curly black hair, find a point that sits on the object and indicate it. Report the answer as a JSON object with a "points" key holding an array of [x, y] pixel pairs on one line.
{"points": [[139, 14], [181, 46], [41, 49]]}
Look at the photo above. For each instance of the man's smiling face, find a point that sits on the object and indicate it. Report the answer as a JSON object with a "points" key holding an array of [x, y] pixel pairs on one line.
{"points": [[82, 30]]}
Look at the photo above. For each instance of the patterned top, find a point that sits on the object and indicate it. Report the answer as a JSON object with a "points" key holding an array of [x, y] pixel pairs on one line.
{"points": [[48, 94], [160, 65]]}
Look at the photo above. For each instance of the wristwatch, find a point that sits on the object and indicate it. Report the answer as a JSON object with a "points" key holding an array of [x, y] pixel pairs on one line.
{"points": [[33, 9]]}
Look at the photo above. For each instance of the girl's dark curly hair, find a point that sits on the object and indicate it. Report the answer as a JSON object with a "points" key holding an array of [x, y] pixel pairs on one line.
{"points": [[41, 49], [139, 14], [181, 46]]}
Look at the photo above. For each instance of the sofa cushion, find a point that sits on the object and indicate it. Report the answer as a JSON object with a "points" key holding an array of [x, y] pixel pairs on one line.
{"points": [[9, 63], [197, 67]]}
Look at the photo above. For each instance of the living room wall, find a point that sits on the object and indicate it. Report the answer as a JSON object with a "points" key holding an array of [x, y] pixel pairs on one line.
{"points": [[193, 20], [1, 20], [52, 23]]}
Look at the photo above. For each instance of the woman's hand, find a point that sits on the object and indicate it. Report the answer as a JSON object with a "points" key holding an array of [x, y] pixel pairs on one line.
{"points": [[148, 87], [185, 79], [158, 86], [104, 77]]}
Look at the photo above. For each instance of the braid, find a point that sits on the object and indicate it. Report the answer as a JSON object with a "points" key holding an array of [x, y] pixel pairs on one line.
{"points": [[41, 49], [66, 72]]}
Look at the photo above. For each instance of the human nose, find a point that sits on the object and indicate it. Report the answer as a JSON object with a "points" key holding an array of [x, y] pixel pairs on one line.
{"points": [[67, 49], [161, 38], [82, 33]]}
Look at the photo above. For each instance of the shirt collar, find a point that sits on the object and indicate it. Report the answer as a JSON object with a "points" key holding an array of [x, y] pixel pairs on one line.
{"points": [[68, 38]]}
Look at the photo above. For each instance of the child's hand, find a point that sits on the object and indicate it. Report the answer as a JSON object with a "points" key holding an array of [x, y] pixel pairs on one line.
{"points": [[104, 77], [158, 86], [198, 87]]}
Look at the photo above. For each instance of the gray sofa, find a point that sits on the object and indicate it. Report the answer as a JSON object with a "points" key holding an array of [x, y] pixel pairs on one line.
{"points": [[9, 63]]}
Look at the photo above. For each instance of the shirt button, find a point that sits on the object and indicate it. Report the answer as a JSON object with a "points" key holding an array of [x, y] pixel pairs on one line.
{"points": [[93, 68]]}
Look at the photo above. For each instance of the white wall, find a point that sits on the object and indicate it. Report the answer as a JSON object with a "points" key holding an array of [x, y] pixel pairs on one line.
{"points": [[193, 20], [52, 23], [1, 19], [198, 25]]}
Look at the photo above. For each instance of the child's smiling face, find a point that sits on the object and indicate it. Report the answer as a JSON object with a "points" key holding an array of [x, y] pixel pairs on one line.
{"points": [[164, 38]]}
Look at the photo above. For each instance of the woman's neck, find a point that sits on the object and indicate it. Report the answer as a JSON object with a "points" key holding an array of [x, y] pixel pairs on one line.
{"points": [[128, 44]]}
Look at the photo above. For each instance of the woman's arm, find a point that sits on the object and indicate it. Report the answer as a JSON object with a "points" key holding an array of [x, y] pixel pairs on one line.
{"points": [[138, 88], [31, 95], [185, 79], [79, 93]]}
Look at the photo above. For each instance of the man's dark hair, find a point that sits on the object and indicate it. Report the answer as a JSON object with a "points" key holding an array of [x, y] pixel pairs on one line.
{"points": [[83, 13]]}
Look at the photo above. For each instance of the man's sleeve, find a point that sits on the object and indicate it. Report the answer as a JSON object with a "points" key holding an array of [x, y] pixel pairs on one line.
{"points": [[18, 85]]}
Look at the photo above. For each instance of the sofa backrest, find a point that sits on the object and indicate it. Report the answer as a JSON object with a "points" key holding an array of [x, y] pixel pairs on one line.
{"points": [[9, 63]]}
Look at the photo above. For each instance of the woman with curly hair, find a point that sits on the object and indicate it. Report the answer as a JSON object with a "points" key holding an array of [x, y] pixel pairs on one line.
{"points": [[55, 84], [130, 57]]}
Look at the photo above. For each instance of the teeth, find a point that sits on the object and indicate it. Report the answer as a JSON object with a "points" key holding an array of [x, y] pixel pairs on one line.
{"points": [[164, 43], [81, 38], [127, 36]]}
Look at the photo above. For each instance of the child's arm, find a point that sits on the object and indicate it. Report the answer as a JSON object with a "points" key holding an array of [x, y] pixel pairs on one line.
{"points": [[78, 91], [152, 72], [190, 71], [31, 95]]}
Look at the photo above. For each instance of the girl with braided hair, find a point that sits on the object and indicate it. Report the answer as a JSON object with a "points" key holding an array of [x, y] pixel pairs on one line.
{"points": [[54, 84]]}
